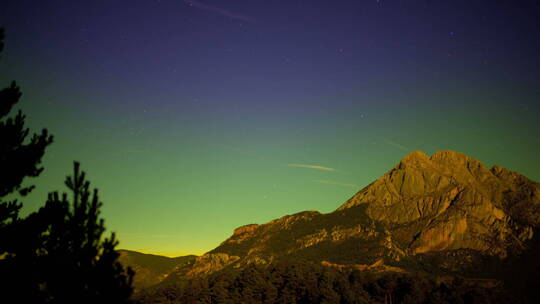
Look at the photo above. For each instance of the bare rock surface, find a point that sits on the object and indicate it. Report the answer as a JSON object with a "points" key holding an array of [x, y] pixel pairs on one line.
{"points": [[447, 206]]}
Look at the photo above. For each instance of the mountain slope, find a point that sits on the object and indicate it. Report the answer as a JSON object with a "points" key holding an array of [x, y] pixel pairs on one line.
{"points": [[447, 206], [451, 201], [152, 269]]}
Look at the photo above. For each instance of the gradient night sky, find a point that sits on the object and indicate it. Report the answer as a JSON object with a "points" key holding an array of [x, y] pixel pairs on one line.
{"points": [[196, 117]]}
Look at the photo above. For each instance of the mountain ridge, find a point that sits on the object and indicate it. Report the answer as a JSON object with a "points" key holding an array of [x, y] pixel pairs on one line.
{"points": [[424, 204], [443, 214], [151, 269]]}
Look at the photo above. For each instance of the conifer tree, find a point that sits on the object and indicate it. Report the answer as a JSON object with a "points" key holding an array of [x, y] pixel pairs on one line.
{"points": [[57, 254], [20, 157], [74, 260]]}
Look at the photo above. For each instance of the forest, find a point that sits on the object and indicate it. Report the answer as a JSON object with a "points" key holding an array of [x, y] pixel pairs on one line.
{"points": [[305, 282]]}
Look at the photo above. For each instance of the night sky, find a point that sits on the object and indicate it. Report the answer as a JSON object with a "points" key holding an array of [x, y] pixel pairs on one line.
{"points": [[196, 117]]}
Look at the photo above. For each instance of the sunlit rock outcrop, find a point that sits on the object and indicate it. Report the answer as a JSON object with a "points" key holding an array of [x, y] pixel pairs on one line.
{"points": [[211, 262], [448, 204], [451, 201]]}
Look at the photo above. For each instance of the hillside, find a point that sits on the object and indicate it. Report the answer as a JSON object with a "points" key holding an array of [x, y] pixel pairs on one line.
{"points": [[439, 216], [151, 269]]}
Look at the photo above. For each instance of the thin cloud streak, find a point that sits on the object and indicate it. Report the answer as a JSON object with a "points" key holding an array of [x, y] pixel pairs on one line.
{"points": [[396, 145], [220, 11], [313, 167], [328, 182]]}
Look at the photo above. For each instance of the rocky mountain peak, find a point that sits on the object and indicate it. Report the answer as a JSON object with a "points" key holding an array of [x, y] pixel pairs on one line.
{"points": [[246, 229], [441, 214], [454, 198], [415, 158], [439, 204], [420, 175], [446, 160], [449, 157]]}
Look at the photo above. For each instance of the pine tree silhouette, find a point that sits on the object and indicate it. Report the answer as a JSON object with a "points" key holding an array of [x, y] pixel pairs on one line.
{"points": [[57, 254], [75, 262], [19, 158]]}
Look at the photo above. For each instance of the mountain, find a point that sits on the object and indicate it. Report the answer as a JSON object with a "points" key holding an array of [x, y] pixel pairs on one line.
{"points": [[443, 203], [441, 215], [152, 269]]}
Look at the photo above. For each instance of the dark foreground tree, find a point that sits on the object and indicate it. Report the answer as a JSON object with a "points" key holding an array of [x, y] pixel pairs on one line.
{"points": [[57, 254], [74, 263], [19, 157], [60, 255]]}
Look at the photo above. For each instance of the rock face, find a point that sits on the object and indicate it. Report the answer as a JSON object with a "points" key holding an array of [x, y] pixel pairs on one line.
{"points": [[211, 262], [445, 204], [450, 201]]}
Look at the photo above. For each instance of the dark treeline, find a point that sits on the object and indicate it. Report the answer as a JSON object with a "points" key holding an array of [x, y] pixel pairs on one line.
{"points": [[295, 282], [57, 254]]}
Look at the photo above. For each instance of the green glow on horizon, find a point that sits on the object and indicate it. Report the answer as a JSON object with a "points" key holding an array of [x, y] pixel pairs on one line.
{"points": [[185, 195], [188, 123]]}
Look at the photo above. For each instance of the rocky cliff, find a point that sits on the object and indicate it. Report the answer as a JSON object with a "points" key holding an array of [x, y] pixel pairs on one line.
{"points": [[447, 205], [450, 201]]}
